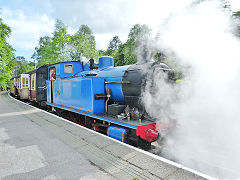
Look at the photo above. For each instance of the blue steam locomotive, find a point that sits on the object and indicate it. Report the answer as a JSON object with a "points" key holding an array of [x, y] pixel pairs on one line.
{"points": [[104, 98]]}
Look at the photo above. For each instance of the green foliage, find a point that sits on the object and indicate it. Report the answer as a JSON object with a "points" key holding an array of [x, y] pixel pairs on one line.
{"points": [[135, 178], [139, 33], [6, 54], [64, 47], [59, 41], [126, 53], [101, 52], [5, 30], [22, 66], [113, 46], [136, 48], [52, 50], [82, 43], [237, 14]]}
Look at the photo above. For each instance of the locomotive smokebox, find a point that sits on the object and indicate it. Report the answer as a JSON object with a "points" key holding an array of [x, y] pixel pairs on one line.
{"points": [[137, 75], [105, 62]]}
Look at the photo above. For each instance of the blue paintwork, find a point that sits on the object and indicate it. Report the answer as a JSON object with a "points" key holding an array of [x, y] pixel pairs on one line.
{"points": [[105, 62], [95, 116], [116, 132], [48, 91], [79, 93], [114, 74], [87, 67], [56, 86], [77, 89], [77, 67], [57, 67]]}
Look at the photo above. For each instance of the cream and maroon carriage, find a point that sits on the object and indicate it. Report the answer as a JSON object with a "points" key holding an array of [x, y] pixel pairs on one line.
{"points": [[22, 86], [37, 87]]}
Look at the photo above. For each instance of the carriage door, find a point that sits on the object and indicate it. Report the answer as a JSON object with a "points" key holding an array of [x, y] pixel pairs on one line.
{"points": [[52, 78], [41, 83]]}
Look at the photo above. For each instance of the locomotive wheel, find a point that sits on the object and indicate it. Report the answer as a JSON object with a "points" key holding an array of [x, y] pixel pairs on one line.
{"points": [[144, 144], [88, 122]]}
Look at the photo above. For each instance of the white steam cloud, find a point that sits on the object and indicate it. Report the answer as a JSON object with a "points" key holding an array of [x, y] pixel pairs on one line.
{"points": [[206, 104]]}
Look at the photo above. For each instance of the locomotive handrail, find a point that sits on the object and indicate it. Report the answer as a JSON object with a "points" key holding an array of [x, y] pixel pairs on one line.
{"points": [[116, 82], [44, 87], [90, 74], [160, 68]]}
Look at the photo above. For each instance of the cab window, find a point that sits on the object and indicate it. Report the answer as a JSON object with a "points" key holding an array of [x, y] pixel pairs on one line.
{"points": [[68, 68]]}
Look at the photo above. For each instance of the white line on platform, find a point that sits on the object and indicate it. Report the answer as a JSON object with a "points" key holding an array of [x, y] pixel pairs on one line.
{"points": [[124, 144]]}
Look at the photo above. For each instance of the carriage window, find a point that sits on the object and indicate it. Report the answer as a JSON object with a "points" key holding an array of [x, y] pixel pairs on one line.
{"points": [[68, 68], [25, 82], [33, 81]]}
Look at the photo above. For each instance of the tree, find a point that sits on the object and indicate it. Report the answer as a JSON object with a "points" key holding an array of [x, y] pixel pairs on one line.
{"points": [[6, 54], [113, 46], [139, 33], [45, 51], [87, 33], [128, 52], [101, 52], [63, 47], [22, 66], [52, 50], [82, 43], [120, 56], [236, 15], [60, 40]]}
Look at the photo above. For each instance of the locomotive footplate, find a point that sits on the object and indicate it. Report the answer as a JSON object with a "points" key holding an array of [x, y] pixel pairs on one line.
{"points": [[104, 117]]}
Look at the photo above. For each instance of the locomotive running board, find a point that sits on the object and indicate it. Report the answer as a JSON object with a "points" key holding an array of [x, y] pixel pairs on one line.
{"points": [[130, 124], [96, 116]]}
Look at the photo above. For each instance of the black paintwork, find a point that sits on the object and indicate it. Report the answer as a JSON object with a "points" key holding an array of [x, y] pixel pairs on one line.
{"points": [[41, 77], [136, 75]]}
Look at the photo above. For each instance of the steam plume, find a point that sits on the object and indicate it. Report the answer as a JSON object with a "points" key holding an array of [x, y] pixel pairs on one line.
{"points": [[206, 104]]}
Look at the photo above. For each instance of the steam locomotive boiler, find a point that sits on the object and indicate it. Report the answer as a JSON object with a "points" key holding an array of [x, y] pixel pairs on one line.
{"points": [[104, 98]]}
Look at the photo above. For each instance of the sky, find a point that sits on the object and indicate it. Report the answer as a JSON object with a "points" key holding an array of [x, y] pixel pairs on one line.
{"points": [[29, 20]]}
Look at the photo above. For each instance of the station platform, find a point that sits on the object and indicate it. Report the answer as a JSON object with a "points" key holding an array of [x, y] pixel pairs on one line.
{"points": [[38, 145]]}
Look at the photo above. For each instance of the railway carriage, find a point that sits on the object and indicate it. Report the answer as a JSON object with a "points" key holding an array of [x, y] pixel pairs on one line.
{"points": [[20, 86], [37, 88]]}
